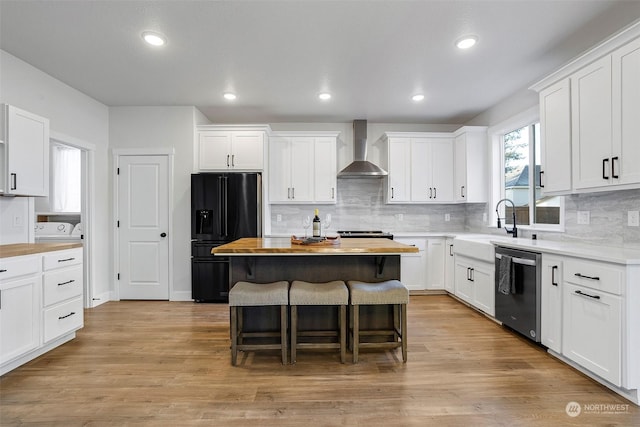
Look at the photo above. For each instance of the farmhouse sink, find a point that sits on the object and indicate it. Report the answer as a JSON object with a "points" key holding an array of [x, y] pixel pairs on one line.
{"points": [[475, 246]]}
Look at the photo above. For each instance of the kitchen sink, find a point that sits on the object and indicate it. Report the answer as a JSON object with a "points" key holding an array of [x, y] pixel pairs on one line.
{"points": [[475, 246]]}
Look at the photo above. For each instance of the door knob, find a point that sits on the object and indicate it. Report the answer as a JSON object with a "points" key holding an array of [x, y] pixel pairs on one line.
{"points": [[163, 234]]}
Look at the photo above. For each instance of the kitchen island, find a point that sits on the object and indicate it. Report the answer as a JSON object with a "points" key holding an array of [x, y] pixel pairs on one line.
{"points": [[265, 260]]}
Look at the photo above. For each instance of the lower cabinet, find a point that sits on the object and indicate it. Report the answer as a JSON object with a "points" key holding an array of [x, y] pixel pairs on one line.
{"points": [[474, 283], [41, 304], [551, 303], [423, 270], [449, 266]]}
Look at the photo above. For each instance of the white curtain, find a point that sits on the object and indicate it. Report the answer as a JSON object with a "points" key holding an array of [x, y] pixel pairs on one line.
{"points": [[66, 173]]}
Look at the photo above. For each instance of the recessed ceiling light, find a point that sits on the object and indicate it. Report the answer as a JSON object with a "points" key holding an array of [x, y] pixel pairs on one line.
{"points": [[230, 96], [417, 97], [324, 96], [466, 42], [154, 39]]}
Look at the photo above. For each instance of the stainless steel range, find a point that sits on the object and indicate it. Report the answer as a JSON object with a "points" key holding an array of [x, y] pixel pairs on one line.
{"points": [[365, 234]]}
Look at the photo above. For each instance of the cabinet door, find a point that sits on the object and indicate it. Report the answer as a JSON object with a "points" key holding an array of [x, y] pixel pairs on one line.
{"points": [[591, 333], [399, 170], [247, 150], [325, 170], [215, 150], [460, 173], [551, 303], [592, 125], [449, 267], [441, 166], [413, 266], [436, 263], [626, 108], [27, 152], [279, 170], [19, 317], [484, 287], [302, 169], [421, 170], [464, 285], [555, 130]]}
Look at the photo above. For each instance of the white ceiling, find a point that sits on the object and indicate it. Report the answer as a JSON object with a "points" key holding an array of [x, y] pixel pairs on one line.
{"points": [[278, 55]]}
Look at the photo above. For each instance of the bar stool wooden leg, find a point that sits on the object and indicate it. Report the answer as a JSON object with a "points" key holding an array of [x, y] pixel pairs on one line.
{"points": [[283, 332], [403, 314], [239, 318], [294, 332], [356, 332], [343, 333], [234, 335], [396, 321]]}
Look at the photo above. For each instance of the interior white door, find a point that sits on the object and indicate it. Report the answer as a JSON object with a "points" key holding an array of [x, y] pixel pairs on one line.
{"points": [[143, 217]]}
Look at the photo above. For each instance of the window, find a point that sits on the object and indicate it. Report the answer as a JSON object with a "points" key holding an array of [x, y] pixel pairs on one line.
{"points": [[65, 179], [517, 149]]}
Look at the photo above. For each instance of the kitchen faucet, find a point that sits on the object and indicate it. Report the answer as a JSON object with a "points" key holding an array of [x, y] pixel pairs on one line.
{"points": [[514, 230]]}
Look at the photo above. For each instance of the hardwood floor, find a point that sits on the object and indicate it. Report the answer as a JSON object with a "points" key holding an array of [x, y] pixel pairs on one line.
{"points": [[162, 363]]}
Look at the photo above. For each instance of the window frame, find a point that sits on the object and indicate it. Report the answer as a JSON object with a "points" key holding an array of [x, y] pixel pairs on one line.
{"points": [[496, 134]]}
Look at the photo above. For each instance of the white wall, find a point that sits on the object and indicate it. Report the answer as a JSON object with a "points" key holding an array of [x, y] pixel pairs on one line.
{"points": [[70, 113], [16, 218], [165, 127]]}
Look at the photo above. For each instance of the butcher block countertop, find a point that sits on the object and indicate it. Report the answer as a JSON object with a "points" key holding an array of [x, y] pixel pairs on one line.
{"points": [[283, 246], [19, 249]]}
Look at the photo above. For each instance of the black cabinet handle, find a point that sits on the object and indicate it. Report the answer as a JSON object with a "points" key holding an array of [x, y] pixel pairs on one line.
{"points": [[462, 191], [604, 168], [473, 274], [430, 193], [66, 283], [613, 167], [435, 192], [14, 181], [587, 295], [587, 277], [450, 250], [2, 271], [541, 184], [68, 315], [553, 275], [163, 234], [392, 192], [66, 259], [227, 160]]}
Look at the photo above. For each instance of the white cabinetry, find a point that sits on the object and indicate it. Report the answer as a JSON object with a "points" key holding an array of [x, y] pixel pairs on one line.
{"points": [[474, 283], [592, 317], [423, 270], [449, 266], [62, 282], [420, 167], [223, 148], [20, 289], [302, 167], [551, 303], [41, 304], [555, 130], [470, 164], [603, 87], [24, 153]]}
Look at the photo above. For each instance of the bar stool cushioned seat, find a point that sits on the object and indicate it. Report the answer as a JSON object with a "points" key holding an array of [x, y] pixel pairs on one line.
{"points": [[316, 294], [390, 292], [245, 294]]}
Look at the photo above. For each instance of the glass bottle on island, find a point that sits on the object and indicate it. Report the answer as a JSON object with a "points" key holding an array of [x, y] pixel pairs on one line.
{"points": [[316, 224]]}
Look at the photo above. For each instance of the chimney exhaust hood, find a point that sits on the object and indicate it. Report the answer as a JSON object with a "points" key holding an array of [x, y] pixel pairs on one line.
{"points": [[360, 167]]}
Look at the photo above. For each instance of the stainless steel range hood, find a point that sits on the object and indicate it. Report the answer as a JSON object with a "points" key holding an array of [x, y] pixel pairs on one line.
{"points": [[360, 167]]}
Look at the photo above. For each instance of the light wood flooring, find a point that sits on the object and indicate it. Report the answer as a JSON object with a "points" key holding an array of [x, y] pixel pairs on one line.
{"points": [[168, 363]]}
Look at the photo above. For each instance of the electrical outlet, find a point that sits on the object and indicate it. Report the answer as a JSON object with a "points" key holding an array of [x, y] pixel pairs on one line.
{"points": [[447, 217], [278, 218], [400, 217], [17, 221], [484, 217], [584, 217], [633, 218]]}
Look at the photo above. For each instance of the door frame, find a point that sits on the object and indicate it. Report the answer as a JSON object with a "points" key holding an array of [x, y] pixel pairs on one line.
{"points": [[87, 209], [151, 152]]}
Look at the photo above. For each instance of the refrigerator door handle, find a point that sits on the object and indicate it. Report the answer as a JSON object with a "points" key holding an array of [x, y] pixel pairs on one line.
{"points": [[220, 197], [226, 205]]}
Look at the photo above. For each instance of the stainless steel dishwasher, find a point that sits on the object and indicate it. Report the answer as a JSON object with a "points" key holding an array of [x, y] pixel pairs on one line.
{"points": [[518, 299]]}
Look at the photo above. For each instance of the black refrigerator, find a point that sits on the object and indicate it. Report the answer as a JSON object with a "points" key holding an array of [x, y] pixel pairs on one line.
{"points": [[224, 208]]}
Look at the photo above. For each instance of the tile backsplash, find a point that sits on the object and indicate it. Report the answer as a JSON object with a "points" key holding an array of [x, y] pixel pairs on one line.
{"points": [[361, 206]]}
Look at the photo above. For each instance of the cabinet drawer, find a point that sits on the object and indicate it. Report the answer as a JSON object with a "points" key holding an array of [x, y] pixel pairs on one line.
{"points": [[63, 318], [60, 259], [63, 284], [594, 275], [18, 266]]}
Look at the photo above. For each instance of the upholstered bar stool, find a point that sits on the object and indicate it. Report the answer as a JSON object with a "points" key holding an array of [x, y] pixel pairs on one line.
{"points": [[245, 294], [390, 292], [330, 293]]}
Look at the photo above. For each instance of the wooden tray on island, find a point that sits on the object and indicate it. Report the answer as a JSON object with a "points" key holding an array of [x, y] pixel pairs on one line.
{"points": [[312, 241]]}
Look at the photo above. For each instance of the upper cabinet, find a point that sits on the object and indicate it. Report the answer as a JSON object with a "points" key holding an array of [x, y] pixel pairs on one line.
{"points": [[231, 148], [302, 167], [470, 164], [593, 102], [24, 153]]}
